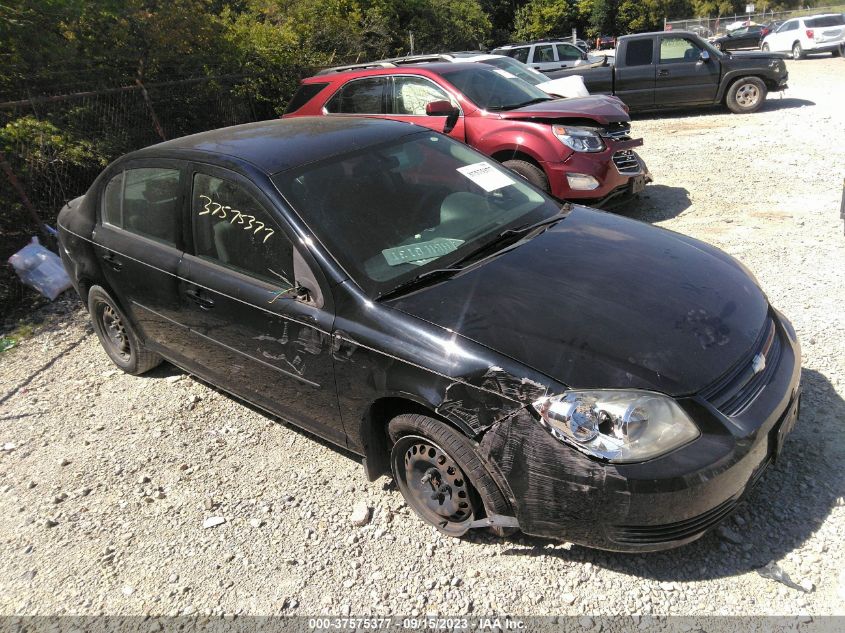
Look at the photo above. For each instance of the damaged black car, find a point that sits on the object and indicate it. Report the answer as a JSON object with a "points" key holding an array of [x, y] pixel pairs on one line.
{"points": [[514, 364]]}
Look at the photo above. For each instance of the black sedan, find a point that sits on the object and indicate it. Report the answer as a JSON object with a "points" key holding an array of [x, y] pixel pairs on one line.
{"points": [[745, 37], [512, 363]]}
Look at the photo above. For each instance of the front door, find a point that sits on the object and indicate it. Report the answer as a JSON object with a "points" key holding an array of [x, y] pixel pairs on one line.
{"points": [[683, 78], [139, 242], [410, 95], [253, 335]]}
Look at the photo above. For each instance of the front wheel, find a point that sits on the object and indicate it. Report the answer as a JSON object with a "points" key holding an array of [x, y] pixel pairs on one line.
{"points": [[441, 475], [117, 336], [746, 95], [530, 172]]}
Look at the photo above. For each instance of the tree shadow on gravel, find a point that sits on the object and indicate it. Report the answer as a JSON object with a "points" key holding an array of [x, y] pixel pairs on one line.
{"points": [[655, 204], [788, 506]]}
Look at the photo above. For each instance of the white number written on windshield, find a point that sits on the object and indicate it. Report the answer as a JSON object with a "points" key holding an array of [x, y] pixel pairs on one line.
{"points": [[246, 221]]}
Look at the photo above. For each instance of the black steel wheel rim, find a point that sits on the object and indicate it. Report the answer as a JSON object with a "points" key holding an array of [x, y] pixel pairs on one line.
{"points": [[433, 484], [115, 332]]}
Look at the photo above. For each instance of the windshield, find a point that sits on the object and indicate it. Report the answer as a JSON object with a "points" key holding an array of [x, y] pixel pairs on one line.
{"points": [[825, 21], [518, 69], [393, 211], [490, 89]]}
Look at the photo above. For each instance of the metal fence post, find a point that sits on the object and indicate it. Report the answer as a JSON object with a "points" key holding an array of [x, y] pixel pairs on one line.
{"points": [[842, 207]]}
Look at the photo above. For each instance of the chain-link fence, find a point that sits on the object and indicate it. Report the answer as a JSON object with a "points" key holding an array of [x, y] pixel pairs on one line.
{"points": [[719, 25], [52, 146]]}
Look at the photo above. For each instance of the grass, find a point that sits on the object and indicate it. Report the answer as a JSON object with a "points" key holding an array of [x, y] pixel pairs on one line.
{"points": [[8, 341]]}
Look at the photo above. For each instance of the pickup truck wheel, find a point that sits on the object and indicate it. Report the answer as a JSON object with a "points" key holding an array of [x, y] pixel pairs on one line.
{"points": [[746, 95], [531, 173], [797, 51]]}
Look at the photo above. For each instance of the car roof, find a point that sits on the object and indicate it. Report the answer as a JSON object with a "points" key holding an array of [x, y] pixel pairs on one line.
{"points": [[373, 70], [281, 144]]}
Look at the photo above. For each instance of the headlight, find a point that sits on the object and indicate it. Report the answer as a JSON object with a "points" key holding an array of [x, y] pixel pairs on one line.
{"points": [[579, 139], [620, 426]]}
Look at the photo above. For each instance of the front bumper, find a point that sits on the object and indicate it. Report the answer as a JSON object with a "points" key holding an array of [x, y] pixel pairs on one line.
{"points": [[663, 503], [618, 170]]}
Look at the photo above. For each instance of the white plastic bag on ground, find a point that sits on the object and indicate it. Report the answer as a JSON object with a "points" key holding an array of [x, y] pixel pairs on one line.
{"points": [[40, 268]]}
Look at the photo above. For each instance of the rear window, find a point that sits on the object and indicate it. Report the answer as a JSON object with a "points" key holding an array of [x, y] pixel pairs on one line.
{"points": [[639, 53], [302, 96], [828, 20]]}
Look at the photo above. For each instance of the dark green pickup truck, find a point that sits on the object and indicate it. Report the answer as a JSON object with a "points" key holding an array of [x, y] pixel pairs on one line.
{"points": [[678, 69]]}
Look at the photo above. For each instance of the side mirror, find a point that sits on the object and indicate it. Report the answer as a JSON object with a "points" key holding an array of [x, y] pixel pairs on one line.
{"points": [[704, 56], [439, 108], [306, 287], [444, 108]]}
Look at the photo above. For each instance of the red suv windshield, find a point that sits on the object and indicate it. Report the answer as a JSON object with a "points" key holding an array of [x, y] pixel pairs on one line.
{"points": [[492, 90]]}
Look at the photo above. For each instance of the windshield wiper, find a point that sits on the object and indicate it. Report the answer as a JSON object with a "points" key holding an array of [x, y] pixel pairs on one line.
{"points": [[516, 106], [469, 260], [420, 280]]}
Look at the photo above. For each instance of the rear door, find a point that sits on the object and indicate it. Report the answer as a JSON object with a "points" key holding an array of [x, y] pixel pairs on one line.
{"points": [[139, 241], [568, 55], [411, 93], [683, 78], [252, 334], [784, 37], [635, 74]]}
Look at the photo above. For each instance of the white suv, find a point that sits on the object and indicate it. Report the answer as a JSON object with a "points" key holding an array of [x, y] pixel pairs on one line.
{"points": [[547, 55], [811, 34]]}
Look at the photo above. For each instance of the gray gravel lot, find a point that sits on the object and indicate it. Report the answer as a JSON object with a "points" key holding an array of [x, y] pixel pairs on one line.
{"points": [[107, 480]]}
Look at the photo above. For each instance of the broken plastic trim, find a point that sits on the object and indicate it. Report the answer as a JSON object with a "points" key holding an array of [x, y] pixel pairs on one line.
{"points": [[495, 520]]}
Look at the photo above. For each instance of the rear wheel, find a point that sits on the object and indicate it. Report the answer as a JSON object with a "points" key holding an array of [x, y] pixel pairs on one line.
{"points": [[797, 51], [839, 52], [765, 48], [117, 336], [746, 95], [530, 172], [441, 476]]}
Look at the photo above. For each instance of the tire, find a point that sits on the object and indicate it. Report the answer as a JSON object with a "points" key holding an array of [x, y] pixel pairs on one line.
{"points": [[765, 48], [746, 95], [425, 447], [530, 172], [839, 52], [797, 51], [718, 46], [117, 336]]}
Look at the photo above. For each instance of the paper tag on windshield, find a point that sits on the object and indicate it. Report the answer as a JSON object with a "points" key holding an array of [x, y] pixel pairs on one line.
{"points": [[486, 176], [421, 253], [504, 73]]}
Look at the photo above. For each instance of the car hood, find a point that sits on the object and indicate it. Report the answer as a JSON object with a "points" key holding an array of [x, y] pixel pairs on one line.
{"points": [[600, 301], [754, 55], [600, 108]]}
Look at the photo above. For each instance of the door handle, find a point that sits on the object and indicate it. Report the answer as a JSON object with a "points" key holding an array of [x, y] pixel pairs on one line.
{"points": [[195, 296], [662, 73], [112, 261]]}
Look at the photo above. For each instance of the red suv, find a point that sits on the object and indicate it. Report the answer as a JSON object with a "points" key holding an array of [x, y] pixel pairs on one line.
{"points": [[576, 149]]}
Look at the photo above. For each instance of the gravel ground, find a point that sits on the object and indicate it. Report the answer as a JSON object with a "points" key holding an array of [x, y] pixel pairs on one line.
{"points": [[107, 481]]}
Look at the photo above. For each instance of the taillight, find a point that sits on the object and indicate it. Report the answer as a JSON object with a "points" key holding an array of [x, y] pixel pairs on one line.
{"points": [[810, 34]]}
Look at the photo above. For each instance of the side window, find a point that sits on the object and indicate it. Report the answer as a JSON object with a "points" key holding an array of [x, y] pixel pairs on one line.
{"points": [[145, 201], [359, 96], [112, 209], [233, 229], [639, 53], [790, 26], [568, 53], [412, 94], [674, 50], [543, 54], [520, 54]]}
